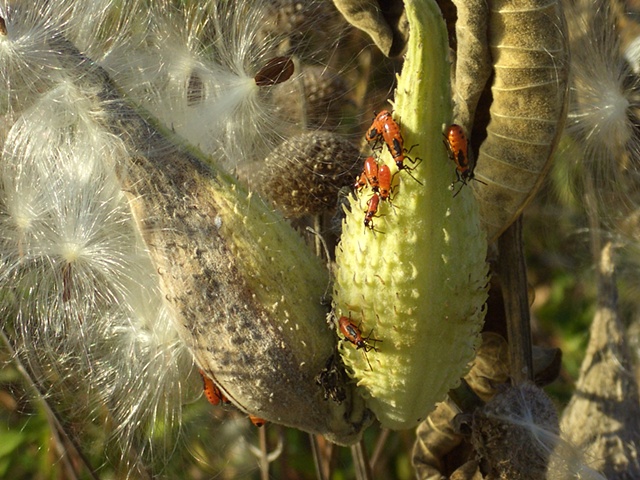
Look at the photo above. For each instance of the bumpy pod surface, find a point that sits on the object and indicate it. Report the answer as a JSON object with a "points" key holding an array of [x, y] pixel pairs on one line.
{"points": [[529, 46], [418, 279], [243, 288]]}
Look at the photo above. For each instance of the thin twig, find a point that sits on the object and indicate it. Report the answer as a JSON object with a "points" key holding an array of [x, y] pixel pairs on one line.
{"points": [[263, 455], [513, 277], [322, 467], [361, 462], [379, 448], [264, 460]]}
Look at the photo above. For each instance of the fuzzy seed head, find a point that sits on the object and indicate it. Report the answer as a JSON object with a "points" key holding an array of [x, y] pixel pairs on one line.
{"points": [[303, 175], [79, 293]]}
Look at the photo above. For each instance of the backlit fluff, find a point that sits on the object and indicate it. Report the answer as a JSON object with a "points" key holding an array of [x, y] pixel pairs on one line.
{"points": [[78, 287], [194, 69], [79, 297], [602, 120]]}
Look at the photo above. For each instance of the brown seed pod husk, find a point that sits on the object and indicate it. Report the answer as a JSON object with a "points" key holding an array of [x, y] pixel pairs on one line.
{"points": [[529, 46]]}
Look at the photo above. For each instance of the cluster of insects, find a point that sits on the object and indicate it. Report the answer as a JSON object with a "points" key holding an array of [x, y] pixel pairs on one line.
{"points": [[216, 397], [383, 130]]}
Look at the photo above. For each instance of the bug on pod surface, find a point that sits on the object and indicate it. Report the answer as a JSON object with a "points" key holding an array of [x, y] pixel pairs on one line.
{"points": [[384, 179], [257, 421], [386, 128], [369, 175], [457, 145], [353, 334], [212, 392], [372, 209]]}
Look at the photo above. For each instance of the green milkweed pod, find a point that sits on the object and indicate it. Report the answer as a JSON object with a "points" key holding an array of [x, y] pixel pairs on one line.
{"points": [[418, 280]]}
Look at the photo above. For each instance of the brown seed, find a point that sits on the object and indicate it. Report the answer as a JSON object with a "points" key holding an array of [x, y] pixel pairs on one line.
{"points": [[277, 70], [3, 27]]}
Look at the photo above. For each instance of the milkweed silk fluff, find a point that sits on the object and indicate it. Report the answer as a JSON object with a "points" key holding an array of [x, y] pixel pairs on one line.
{"points": [[603, 108], [79, 297], [77, 286], [193, 68]]}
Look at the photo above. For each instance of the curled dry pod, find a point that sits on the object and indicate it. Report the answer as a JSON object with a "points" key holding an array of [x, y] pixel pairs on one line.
{"points": [[415, 285], [529, 46], [242, 286]]}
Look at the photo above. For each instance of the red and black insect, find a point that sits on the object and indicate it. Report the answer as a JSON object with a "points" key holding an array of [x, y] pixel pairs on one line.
{"points": [[384, 182], [215, 397], [385, 127], [457, 145], [352, 333], [212, 392], [372, 209], [257, 421], [369, 175]]}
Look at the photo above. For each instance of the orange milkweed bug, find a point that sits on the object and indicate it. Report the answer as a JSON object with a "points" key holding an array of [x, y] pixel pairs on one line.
{"points": [[257, 421], [352, 333], [212, 392], [384, 182], [369, 175], [386, 127], [372, 209], [455, 141]]}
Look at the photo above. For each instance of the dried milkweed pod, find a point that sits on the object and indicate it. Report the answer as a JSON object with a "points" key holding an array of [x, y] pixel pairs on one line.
{"points": [[516, 432], [243, 288], [387, 26], [529, 48]]}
